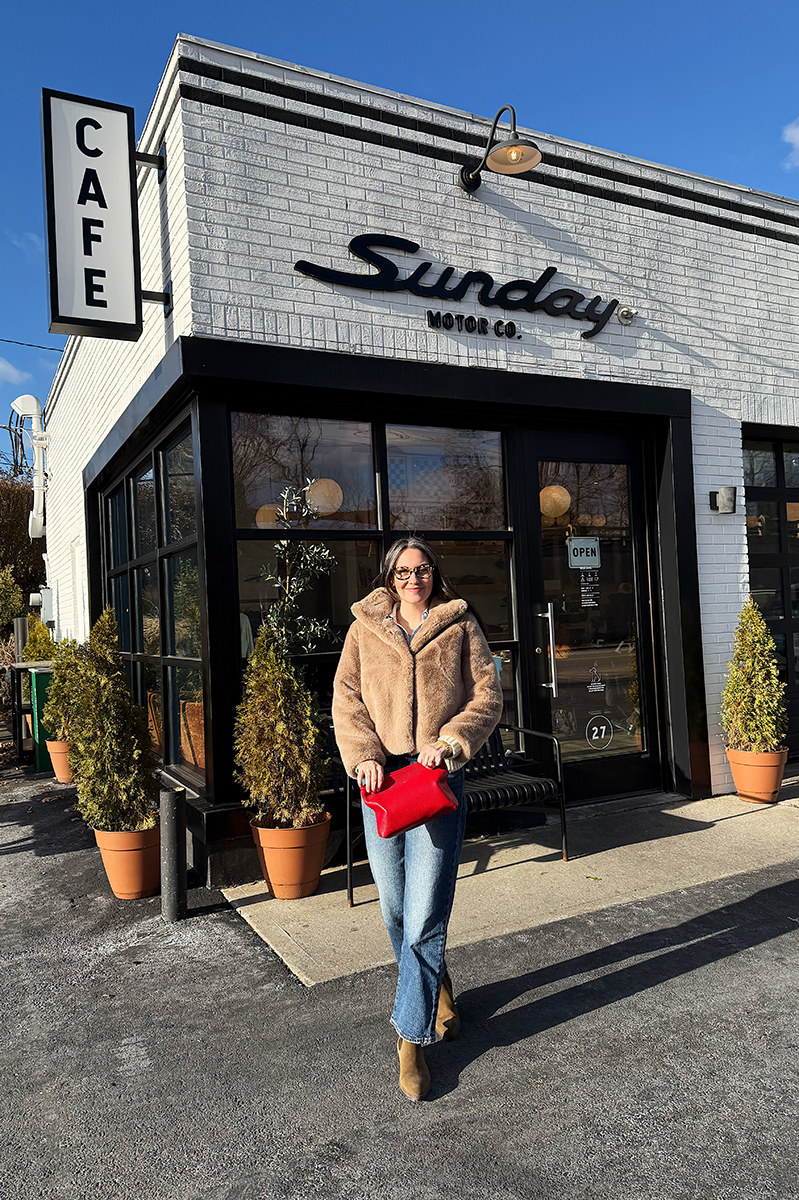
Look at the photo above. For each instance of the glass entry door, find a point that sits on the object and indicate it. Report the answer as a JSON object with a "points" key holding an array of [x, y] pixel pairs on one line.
{"points": [[593, 641]]}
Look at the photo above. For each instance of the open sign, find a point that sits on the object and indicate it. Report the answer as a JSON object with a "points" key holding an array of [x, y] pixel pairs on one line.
{"points": [[583, 553]]}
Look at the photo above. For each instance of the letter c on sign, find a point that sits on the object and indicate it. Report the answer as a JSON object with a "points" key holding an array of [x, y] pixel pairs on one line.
{"points": [[80, 132], [499, 328]]}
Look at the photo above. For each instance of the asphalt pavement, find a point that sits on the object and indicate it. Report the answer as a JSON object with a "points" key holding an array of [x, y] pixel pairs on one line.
{"points": [[647, 1050]]}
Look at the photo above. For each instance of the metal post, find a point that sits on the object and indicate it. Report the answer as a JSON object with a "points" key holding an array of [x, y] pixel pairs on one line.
{"points": [[173, 853], [20, 636]]}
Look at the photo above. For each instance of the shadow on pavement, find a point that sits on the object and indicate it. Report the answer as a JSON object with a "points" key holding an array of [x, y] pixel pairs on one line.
{"points": [[690, 946]]}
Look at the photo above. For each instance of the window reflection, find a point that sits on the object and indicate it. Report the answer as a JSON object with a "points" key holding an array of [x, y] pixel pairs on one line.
{"points": [[589, 496], [184, 629], [144, 510], [762, 527], [444, 478], [790, 458], [148, 614], [117, 528], [180, 516], [479, 572], [792, 515], [765, 585], [271, 452], [121, 602], [760, 464], [187, 747], [153, 705], [328, 598]]}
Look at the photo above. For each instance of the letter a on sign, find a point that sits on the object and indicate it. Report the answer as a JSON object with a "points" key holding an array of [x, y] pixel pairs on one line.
{"points": [[583, 553], [92, 217]]}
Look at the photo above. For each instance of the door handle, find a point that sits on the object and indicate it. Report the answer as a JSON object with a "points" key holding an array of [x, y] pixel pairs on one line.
{"points": [[549, 617]]}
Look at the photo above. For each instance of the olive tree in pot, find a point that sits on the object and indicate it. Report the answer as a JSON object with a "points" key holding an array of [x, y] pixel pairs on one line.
{"points": [[115, 766], [64, 700], [753, 714], [280, 747]]}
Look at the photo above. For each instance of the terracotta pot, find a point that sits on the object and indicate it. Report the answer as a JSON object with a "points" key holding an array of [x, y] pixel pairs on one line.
{"points": [[291, 859], [132, 861], [59, 757], [757, 777]]}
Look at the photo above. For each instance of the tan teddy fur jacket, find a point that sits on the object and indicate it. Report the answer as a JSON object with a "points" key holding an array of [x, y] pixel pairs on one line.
{"points": [[392, 698]]}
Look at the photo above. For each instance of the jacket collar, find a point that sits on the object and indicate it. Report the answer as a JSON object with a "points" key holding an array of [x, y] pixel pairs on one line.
{"points": [[374, 611]]}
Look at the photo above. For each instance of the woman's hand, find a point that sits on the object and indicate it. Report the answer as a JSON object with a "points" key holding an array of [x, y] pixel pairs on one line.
{"points": [[369, 775], [433, 754]]}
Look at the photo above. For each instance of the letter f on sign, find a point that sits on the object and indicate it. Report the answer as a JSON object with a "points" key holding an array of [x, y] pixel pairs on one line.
{"points": [[89, 224]]}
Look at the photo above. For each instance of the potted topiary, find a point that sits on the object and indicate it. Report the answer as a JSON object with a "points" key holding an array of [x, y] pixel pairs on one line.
{"points": [[279, 742], [64, 700], [280, 759], [115, 766], [753, 714]]}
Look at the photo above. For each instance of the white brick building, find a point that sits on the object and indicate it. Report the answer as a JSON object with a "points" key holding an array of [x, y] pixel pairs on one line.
{"points": [[269, 165]]}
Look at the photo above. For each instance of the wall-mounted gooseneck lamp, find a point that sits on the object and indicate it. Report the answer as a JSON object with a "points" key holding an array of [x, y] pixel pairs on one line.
{"points": [[510, 156]]}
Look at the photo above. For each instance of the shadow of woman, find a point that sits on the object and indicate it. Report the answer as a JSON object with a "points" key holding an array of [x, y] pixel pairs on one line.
{"points": [[643, 961]]}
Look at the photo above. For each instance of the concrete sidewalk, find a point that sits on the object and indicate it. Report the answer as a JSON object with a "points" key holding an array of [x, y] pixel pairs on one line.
{"points": [[619, 852], [645, 1050]]}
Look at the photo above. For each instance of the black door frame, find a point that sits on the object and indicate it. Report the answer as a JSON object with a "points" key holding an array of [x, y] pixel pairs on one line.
{"points": [[225, 374], [601, 778]]}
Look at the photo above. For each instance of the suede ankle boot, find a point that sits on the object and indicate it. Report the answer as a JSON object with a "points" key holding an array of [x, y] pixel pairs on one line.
{"points": [[414, 1076], [448, 1022]]}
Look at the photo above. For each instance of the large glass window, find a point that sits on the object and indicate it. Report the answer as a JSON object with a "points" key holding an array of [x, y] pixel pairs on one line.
{"points": [[155, 592], [179, 508], [182, 597], [265, 573], [480, 572], [271, 453], [366, 485], [444, 479], [117, 528], [760, 464], [144, 510], [771, 475]]}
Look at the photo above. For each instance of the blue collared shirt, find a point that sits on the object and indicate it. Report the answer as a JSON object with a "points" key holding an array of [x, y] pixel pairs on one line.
{"points": [[404, 632]]}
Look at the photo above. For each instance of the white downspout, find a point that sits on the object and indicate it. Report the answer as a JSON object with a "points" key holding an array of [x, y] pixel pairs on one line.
{"points": [[30, 406]]}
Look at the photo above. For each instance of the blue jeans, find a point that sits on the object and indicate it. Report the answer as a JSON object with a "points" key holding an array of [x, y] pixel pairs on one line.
{"points": [[415, 873]]}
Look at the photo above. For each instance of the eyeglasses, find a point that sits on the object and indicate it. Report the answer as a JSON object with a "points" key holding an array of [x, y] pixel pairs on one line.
{"points": [[403, 574]]}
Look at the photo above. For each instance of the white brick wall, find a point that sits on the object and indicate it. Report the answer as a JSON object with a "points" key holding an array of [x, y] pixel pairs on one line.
{"points": [[716, 307]]}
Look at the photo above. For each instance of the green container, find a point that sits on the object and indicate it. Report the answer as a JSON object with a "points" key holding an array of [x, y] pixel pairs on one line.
{"points": [[40, 683]]}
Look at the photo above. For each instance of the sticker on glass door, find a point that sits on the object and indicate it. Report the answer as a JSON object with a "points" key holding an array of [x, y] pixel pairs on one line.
{"points": [[599, 733]]}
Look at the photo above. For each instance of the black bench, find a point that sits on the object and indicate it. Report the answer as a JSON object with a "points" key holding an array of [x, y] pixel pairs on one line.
{"points": [[495, 778]]}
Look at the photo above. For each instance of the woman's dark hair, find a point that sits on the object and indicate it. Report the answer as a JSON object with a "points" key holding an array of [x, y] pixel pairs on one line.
{"points": [[442, 587]]}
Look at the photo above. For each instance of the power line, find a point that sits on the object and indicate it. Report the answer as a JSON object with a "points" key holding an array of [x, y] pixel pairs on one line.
{"points": [[33, 345]]}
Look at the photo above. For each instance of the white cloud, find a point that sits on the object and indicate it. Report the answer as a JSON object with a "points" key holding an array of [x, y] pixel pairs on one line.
{"points": [[28, 243], [790, 134], [11, 374]]}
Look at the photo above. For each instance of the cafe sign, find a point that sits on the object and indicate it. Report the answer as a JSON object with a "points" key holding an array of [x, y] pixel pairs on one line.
{"points": [[92, 220]]}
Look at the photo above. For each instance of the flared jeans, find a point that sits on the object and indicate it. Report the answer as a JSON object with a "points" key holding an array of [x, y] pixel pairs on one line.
{"points": [[415, 873]]}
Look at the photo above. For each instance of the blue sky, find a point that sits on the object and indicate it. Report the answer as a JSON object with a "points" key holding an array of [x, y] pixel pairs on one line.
{"points": [[707, 86]]}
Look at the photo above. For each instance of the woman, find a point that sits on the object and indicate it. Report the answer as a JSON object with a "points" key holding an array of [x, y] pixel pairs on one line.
{"points": [[416, 681]]}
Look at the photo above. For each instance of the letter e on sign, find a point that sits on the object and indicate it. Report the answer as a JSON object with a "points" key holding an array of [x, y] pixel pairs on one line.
{"points": [[583, 553], [92, 217]]}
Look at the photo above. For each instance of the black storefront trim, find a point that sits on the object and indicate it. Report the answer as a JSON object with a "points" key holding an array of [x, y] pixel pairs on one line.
{"points": [[320, 381], [353, 108], [192, 361]]}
